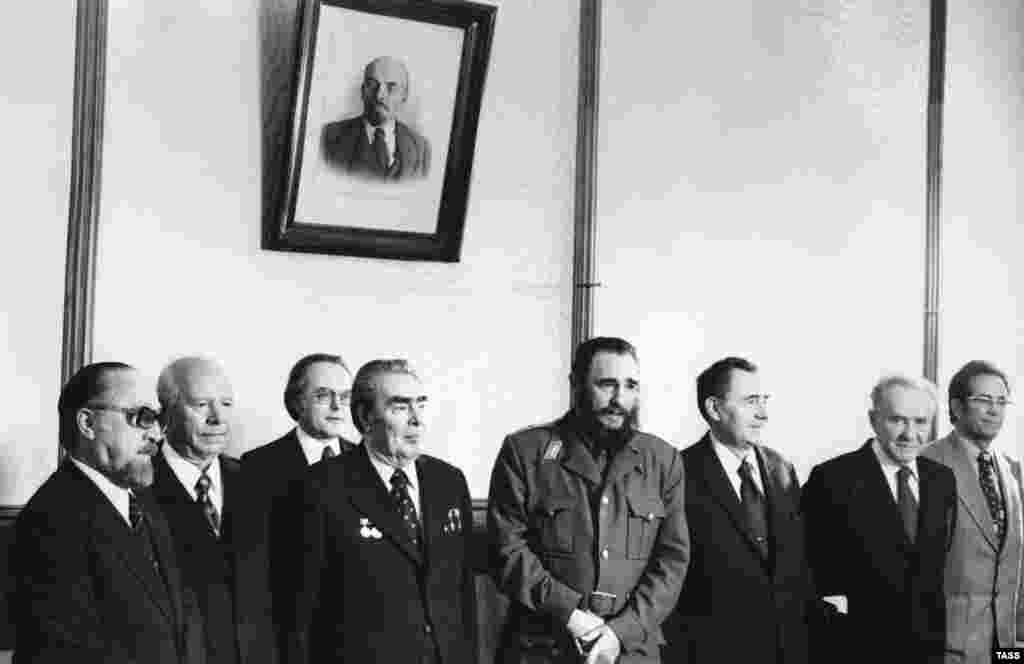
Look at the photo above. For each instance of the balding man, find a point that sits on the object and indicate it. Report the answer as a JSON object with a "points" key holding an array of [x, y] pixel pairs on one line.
{"points": [[376, 145], [879, 521], [200, 489], [96, 573]]}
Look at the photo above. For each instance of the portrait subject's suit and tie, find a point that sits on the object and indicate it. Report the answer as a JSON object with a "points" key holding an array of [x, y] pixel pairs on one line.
{"points": [[345, 145], [86, 589], [984, 602], [228, 572], [859, 547], [368, 593], [738, 604]]}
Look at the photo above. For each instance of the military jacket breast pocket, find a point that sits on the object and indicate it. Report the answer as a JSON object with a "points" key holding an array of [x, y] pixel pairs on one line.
{"points": [[645, 516], [555, 524]]}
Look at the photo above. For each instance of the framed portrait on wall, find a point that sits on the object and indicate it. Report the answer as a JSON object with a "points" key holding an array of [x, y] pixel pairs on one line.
{"points": [[385, 102]]}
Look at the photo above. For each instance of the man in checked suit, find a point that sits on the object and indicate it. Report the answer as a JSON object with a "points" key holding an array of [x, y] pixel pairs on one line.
{"points": [[385, 575], [376, 145], [96, 572], [201, 492], [983, 584], [317, 397], [746, 594], [879, 522]]}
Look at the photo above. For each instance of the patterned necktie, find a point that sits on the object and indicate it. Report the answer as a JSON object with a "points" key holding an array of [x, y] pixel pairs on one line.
{"points": [[406, 508], [989, 486], [328, 453], [907, 502], [204, 501], [140, 527], [380, 149], [753, 506]]}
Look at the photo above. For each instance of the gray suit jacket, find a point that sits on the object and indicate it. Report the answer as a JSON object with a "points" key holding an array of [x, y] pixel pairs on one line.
{"points": [[983, 580]]}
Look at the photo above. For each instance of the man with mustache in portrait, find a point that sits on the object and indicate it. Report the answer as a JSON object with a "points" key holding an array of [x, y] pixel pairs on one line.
{"points": [[586, 523], [376, 145]]}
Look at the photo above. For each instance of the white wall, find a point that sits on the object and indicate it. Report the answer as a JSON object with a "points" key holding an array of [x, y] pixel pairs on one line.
{"points": [[36, 107], [983, 206], [181, 271], [761, 193]]}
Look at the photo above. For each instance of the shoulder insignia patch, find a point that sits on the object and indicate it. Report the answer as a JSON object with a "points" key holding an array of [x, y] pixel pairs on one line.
{"points": [[551, 454]]}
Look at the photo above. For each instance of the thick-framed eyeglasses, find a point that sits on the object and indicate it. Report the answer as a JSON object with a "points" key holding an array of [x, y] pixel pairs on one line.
{"points": [[985, 401], [325, 397], [140, 417]]}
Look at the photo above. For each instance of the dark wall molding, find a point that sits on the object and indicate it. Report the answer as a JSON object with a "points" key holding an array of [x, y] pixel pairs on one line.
{"points": [[584, 236], [933, 186]]}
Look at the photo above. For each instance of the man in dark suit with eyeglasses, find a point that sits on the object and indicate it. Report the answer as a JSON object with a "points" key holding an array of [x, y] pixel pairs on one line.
{"points": [[96, 573], [316, 396]]}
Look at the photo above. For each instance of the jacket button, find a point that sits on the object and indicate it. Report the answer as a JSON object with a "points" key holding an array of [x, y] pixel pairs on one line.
{"points": [[604, 553], [427, 629], [604, 500]]}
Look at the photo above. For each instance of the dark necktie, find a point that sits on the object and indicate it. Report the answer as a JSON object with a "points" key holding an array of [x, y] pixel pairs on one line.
{"points": [[403, 502], [380, 149], [204, 501], [754, 508], [140, 528], [328, 453], [134, 511], [907, 502], [990, 487]]}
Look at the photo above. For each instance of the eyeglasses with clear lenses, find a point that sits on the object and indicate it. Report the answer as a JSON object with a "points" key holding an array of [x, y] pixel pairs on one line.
{"points": [[140, 417], [325, 397], [986, 401]]}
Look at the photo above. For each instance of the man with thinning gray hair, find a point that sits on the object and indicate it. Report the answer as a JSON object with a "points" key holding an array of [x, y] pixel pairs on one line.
{"points": [[879, 522]]}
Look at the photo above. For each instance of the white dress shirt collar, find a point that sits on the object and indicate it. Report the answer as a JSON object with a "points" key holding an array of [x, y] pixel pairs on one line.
{"points": [[890, 468], [118, 496], [386, 470], [188, 474], [731, 461], [313, 448]]}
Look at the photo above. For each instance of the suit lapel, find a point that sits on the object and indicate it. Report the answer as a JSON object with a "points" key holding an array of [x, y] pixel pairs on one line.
{"points": [[969, 491], [875, 499], [432, 506], [113, 536], [721, 490], [292, 454], [1010, 482], [368, 495]]}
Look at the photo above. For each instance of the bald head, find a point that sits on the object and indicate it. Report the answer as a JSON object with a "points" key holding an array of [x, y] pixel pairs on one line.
{"points": [[385, 89], [198, 404]]}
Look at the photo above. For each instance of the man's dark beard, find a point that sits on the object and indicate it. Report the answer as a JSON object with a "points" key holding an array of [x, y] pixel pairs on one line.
{"points": [[602, 436]]}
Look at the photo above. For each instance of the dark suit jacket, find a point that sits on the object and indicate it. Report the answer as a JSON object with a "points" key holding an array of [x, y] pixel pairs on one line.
{"points": [[229, 576], [857, 547], [270, 471], [734, 606], [87, 592], [367, 594], [346, 146]]}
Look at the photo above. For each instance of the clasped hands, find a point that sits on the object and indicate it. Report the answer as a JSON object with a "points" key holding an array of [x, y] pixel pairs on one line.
{"points": [[593, 637]]}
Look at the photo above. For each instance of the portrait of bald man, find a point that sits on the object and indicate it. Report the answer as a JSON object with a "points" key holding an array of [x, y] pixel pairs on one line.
{"points": [[376, 145], [96, 574], [200, 490]]}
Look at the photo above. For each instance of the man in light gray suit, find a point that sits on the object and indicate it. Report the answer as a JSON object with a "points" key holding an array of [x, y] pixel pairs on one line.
{"points": [[984, 603]]}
